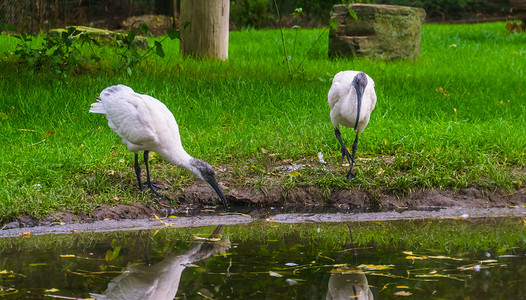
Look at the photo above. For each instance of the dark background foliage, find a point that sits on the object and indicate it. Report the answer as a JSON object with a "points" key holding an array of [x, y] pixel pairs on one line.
{"points": [[33, 15]]}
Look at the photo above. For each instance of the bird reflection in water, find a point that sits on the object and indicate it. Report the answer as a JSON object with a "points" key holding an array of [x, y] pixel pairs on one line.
{"points": [[161, 280], [348, 283]]}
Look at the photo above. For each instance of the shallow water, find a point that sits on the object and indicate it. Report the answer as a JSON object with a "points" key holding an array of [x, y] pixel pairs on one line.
{"points": [[268, 260]]}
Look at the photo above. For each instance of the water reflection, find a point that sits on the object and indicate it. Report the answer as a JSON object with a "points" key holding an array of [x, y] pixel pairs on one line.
{"points": [[161, 281], [454, 259], [346, 282]]}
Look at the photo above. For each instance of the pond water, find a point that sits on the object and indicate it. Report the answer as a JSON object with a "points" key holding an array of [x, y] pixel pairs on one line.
{"points": [[423, 259]]}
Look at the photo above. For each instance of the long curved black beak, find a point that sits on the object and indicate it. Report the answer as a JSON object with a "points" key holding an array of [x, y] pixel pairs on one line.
{"points": [[212, 181], [359, 82]]}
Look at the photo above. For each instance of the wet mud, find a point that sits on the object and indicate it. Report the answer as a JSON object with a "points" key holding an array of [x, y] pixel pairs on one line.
{"points": [[214, 218], [198, 206]]}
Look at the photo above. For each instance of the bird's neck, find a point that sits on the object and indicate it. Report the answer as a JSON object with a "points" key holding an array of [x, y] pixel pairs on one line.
{"points": [[177, 156]]}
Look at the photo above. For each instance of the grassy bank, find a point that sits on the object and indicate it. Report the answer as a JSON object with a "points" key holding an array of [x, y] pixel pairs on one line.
{"points": [[452, 119]]}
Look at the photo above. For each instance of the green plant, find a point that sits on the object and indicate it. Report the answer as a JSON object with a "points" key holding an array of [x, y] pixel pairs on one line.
{"points": [[129, 48], [59, 52]]}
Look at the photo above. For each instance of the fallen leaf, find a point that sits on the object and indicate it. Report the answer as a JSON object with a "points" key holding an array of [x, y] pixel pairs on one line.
{"points": [[198, 238], [444, 257], [274, 274], [376, 267], [164, 223], [233, 213], [294, 173], [403, 293], [346, 270], [416, 257], [37, 264]]}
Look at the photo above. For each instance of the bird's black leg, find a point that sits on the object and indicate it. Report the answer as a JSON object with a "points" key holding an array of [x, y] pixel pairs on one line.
{"points": [[345, 152], [354, 147], [138, 171], [148, 179]]}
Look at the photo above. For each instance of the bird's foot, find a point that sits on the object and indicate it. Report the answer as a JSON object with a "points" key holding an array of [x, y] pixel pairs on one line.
{"points": [[154, 188], [350, 175]]}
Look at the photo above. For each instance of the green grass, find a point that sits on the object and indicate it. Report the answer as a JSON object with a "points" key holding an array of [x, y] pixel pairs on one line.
{"points": [[450, 120]]}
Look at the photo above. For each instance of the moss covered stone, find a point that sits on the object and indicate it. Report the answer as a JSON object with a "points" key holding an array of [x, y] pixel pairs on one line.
{"points": [[380, 31], [104, 36]]}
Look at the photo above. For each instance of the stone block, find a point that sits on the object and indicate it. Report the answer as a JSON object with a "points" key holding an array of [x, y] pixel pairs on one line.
{"points": [[381, 31]]}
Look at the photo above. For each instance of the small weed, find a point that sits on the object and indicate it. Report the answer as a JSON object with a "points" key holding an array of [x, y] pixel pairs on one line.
{"points": [[297, 14]]}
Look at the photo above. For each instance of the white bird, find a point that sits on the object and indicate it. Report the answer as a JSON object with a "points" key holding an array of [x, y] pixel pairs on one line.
{"points": [[161, 280], [351, 99], [145, 124]]}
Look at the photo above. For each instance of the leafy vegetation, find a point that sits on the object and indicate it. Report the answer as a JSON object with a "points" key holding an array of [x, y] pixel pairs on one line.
{"points": [[61, 51], [263, 14], [450, 120]]}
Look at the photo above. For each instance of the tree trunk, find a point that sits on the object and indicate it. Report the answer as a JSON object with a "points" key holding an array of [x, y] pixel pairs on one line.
{"points": [[204, 28], [163, 7]]}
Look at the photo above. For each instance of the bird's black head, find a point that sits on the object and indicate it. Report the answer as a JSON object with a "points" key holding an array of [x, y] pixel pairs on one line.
{"points": [[206, 172], [359, 82]]}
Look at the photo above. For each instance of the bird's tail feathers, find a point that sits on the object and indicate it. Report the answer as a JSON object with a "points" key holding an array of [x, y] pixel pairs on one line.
{"points": [[97, 107], [116, 89]]}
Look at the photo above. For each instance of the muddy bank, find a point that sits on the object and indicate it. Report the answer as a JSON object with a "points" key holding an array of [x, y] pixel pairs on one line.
{"points": [[200, 201], [216, 218], [360, 199]]}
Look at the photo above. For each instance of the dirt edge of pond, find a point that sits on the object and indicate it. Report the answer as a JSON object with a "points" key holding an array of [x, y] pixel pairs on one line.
{"points": [[299, 199]]}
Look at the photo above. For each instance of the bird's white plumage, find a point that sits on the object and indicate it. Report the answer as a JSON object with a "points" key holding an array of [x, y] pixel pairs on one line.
{"points": [[146, 124], [143, 122], [343, 101]]}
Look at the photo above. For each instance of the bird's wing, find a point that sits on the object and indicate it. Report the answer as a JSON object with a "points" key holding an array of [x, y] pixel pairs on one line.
{"points": [[334, 94], [129, 116], [341, 86], [372, 94]]}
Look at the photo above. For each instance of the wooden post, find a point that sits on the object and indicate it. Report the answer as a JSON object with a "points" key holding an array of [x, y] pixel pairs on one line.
{"points": [[204, 28]]}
